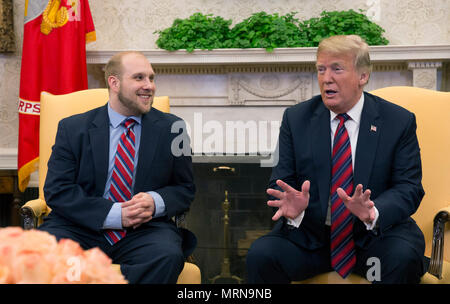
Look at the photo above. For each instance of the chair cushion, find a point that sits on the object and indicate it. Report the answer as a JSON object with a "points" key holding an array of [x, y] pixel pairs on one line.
{"points": [[333, 278], [190, 274]]}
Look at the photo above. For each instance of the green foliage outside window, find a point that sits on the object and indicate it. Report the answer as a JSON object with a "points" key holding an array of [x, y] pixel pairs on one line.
{"points": [[269, 31]]}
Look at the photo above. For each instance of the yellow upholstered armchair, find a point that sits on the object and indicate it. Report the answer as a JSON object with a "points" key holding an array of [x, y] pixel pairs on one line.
{"points": [[432, 110], [53, 109]]}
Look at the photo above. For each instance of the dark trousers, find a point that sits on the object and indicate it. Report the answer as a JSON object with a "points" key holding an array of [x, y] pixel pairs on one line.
{"points": [[147, 255], [273, 258]]}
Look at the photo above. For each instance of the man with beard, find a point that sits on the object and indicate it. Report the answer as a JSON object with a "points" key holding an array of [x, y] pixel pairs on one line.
{"points": [[113, 181]]}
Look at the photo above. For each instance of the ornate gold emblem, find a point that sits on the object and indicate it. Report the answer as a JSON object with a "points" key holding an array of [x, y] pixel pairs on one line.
{"points": [[54, 16]]}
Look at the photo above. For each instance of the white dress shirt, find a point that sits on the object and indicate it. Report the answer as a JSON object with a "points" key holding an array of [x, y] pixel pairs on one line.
{"points": [[352, 126]]}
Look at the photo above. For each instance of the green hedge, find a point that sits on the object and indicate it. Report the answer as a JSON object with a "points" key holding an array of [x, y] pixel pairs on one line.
{"points": [[342, 23], [269, 31], [262, 30], [196, 32]]}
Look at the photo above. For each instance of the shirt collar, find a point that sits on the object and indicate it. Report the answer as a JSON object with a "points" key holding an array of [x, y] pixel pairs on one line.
{"points": [[115, 119], [354, 113]]}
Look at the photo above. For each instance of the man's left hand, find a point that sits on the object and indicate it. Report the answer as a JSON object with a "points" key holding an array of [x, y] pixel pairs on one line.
{"points": [[359, 204]]}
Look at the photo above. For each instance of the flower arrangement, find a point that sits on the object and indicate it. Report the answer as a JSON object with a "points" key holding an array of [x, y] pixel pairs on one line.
{"points": [[36, 257]]}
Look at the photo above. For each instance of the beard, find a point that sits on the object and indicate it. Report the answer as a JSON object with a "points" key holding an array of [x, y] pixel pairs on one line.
{"points": [[133, 106]]}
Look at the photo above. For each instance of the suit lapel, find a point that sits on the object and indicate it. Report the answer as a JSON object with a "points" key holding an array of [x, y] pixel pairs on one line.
{"points": [[150, 134], [369, 130], [99, 134], [321, 147]]}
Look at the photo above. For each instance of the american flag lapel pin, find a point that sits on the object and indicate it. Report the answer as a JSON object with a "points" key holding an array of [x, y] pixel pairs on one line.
{"points": [[373, 128]]}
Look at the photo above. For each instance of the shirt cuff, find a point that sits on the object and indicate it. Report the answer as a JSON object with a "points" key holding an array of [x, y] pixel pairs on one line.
{"points": [[371, 226], [114, 218], [296, 221], [160, 206]]}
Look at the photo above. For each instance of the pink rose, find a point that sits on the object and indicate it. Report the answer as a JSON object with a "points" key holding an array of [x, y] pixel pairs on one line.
{"points": [[97, 268], [31, 268], [4, 275], [9, 237], [34, 256]]}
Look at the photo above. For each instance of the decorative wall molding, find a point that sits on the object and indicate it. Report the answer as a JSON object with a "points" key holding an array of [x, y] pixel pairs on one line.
{"points": [[424, 73], [260, 68], [389, 66], [269, 89], [8, 159], [389, 53], [425, 78], [224, 69], [424, 65], [422, 60]]}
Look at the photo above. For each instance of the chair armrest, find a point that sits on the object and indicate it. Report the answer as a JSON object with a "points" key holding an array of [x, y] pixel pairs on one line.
{"points": [[189, 238], [32, 212], [116, 267], [180, 220], [437, 250]]}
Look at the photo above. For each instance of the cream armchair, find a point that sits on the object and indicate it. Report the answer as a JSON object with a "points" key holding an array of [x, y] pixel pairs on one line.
{"points": [[53, 109], [432, 110]]}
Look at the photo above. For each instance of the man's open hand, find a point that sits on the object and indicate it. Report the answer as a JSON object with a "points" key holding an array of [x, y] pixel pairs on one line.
{"points": [[291, 203], [359, 204]]}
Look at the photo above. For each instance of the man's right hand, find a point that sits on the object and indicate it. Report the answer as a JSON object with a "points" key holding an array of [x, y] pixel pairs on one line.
{"points": [[291, 202], [138, 210]]}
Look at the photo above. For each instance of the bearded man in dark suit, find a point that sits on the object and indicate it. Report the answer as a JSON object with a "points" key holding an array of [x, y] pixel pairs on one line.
{"points": [[97, 203]]}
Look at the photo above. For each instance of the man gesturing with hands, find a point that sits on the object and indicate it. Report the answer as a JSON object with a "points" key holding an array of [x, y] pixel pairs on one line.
{"points": [[347, 181], [292, 203]]}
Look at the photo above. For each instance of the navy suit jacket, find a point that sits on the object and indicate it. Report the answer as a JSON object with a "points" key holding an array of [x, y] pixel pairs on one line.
{"points": [[78, 167], [387, 161]]}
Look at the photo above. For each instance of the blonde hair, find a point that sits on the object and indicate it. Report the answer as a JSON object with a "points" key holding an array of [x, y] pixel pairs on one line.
{"points": [[344, 44], [114, 65]]}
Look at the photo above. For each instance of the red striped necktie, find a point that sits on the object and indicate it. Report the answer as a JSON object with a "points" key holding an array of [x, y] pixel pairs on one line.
{"points": [[343, 257], [122, 176]]}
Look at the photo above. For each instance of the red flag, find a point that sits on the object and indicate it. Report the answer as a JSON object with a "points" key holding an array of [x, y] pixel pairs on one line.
{"points": [[53, 60]]}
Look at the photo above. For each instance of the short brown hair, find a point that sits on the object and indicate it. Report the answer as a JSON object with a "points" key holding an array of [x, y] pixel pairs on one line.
{"points": [[114, 65], [354, 44]]}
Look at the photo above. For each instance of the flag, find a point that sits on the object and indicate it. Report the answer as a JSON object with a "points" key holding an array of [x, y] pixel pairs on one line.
{"points": [[53, 60]]}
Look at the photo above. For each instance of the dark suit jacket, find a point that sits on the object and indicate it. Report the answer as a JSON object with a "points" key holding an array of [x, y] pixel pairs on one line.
{"points": [[78, 167], [387, 162]]}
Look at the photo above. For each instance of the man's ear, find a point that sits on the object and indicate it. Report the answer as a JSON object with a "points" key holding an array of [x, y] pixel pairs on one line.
{"points": [[364, 78], [114, 83]]}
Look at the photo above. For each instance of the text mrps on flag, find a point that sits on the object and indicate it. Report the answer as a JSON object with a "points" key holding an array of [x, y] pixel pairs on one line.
{"points": [[54, 61]]}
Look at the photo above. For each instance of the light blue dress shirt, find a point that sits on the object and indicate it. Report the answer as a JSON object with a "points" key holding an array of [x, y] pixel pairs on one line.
{"points": [[116, 128]]}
